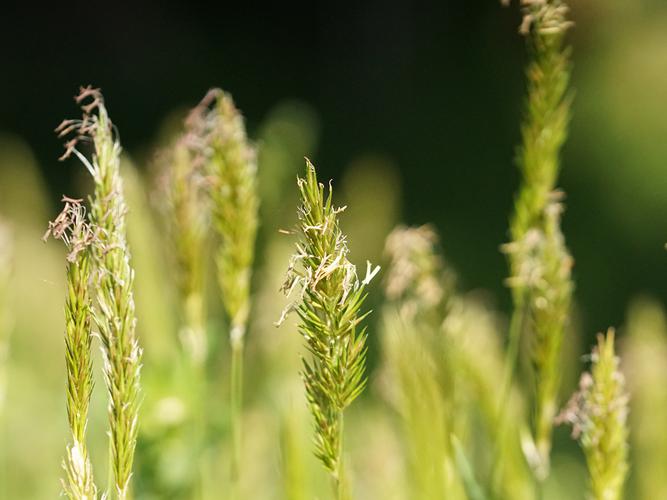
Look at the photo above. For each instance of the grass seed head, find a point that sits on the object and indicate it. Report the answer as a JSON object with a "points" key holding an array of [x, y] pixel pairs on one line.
{"points": [[598, 414], [329, 306], [114, 279]]}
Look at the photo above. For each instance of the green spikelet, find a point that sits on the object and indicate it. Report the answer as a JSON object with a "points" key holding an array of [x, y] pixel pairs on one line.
{"points": [[183, 202], [329, 309], [539, 261], [115, 312], [598, 415], [231, 165], [230, 162], [71, 227]]}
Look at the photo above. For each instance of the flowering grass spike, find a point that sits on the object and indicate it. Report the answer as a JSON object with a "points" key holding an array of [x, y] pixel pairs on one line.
{"points": [[71, 226], [598, 413], [230, 162], [329, 309], [114, 277], [539, 260]]}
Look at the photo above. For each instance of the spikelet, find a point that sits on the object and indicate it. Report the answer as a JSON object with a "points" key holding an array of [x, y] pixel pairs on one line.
{"points": [[231, 166], [329, 309], [540, 264], [182, 189], [115, 311], [598, 414], [71, 227], [230, 163]]}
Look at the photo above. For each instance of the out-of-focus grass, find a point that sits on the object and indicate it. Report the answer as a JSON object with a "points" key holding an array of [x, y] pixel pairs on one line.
{"points": [[35, 423]]}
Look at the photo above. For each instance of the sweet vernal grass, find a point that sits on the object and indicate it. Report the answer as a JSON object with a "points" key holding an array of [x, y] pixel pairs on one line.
{"points": [[441, 370], [183, 202], [230, 163], [539, 261], [182, 186], [114, 312], [329, 310], [419, 293], [71, 227], [598, 414]]}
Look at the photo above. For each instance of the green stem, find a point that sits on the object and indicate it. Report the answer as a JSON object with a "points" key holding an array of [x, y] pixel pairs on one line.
{"points": [[339, 476], [236, 407], [195, 353], [517, 323]]}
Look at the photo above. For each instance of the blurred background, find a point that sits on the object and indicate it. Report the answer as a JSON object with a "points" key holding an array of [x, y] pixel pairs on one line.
{"points": [[412, 107]]}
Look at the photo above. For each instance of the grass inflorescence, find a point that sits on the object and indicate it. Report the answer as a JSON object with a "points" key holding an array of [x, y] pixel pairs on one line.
{"points": [[540, 263], [73, 229], [114, 312], [598, 414], [329, 308], [230, 163]]}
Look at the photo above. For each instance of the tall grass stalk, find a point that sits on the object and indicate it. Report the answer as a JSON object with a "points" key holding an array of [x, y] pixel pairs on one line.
{"points": [[644, 355], [183, 202], [540, 264], [6, 251], [436, 337], [329, 310], [231, 166], [72, 228], [417, 360], [182, 189], [6, 262], [114, 312], [598, 414]]}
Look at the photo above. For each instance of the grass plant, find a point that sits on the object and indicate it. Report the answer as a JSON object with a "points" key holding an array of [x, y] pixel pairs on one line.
{"points": [[540, 264], [329, 309], [450, 417], [598, 414], [114, 312], [230, 163], [73, 229]]}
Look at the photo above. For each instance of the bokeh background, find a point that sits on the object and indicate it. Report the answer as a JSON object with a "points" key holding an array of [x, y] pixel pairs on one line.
{"points": [[410, 106]]}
